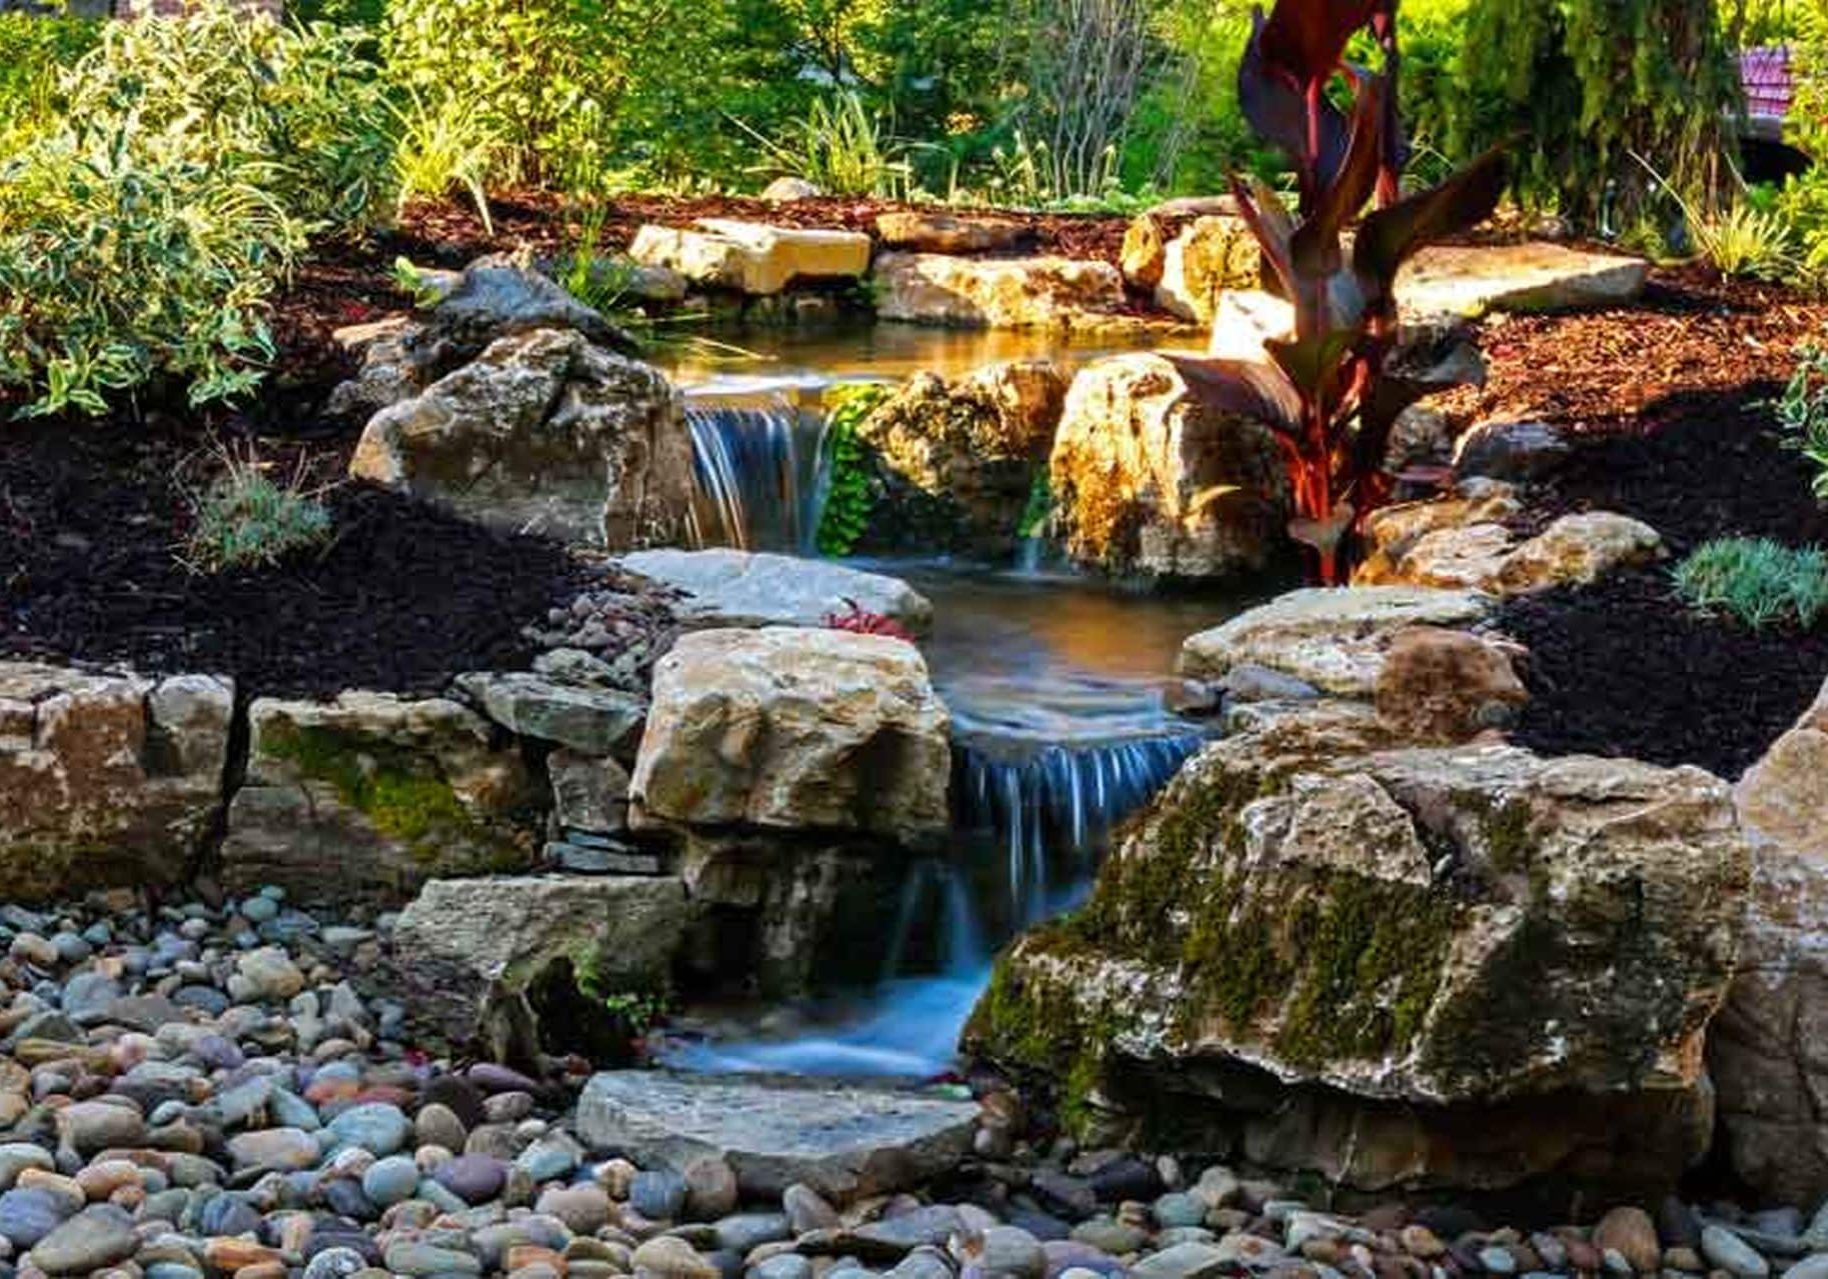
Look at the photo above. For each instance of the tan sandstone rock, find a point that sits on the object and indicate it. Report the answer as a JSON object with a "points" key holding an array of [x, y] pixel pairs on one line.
{"points": [[1147, 478], [750, 257], [106, 780], [798, 729], [367, 797], [1337, 640], [1211, 256], [1394, 945], [1768, 1050], [1440, 685], [1533, 276], [926, 232], [542, 432], [994, 293], [1144, 252]]}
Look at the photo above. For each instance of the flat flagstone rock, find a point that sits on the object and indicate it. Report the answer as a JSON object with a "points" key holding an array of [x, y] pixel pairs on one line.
{"points": [[751, 257], [754, 588], [1335, 639], [1530, 277], [843, 1143], [994, 293]]}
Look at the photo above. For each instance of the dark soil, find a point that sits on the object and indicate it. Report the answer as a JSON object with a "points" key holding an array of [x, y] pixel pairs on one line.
{"points": [[1670, 405], [1624, 668], [402, 598]]}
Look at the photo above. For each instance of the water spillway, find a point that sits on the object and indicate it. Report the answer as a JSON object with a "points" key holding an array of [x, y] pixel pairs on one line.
{"points": [[760, 466]]}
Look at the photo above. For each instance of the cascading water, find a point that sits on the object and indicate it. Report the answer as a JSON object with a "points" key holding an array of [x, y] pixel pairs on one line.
{"points": [[1059, 733], [761, 470]]}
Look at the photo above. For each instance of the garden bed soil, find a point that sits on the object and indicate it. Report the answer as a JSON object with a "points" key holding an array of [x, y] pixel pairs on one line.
{"points": [[400, 599]]}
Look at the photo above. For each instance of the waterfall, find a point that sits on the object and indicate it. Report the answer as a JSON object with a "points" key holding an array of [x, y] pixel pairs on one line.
{"points": [[761, 472]]}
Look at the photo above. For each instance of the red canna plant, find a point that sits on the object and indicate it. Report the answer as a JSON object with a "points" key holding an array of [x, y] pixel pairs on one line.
{"points": [[1324, 391]]}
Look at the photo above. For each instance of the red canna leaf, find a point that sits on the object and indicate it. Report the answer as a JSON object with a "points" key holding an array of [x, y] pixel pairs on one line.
{"points": [[1263, 212], [1304, 40], [1389, 236], [1257, 390], [1314, 248]]}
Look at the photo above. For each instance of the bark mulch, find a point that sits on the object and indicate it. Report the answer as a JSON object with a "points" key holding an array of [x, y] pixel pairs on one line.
{"points": [[402, 598], [1670, 404]]}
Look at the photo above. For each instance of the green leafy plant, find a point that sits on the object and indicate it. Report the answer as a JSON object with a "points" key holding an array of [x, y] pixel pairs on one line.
{"points": [[1323, 391], [444, 144], [412, 281], [142, 236], [842, 148], [1802, 413], [849, 498], [35, 49], [1038, 509], [1744, 238], [247, 519], [1757, 580]]}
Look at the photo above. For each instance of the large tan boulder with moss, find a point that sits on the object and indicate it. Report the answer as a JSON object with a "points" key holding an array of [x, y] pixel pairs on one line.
{"points": [[1405, 944], [960, 456], [789, 728], [1768, 1050], [509, 964], [1149, 479], [751, 257], [1209, 258], [106, 780], [366, 797], [994, 293], [543, 432]]}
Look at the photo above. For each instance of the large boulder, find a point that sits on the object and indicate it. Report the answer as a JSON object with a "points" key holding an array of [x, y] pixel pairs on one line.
{"points": [[843, 1143], [959, 458], [750, 257], [1148, 478], [1334, 639], [721, 587], [510, 966], [106, 780], [367, 797], [924, 231], [797, 729], [542, 432], [1768, 1050], [1210, 257], [1338, 954], [994, 293], [1471, 280]]}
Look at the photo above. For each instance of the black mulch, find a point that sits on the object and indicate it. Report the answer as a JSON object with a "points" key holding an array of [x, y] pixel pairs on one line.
{"points": [[1623, 668], [404, 596]]}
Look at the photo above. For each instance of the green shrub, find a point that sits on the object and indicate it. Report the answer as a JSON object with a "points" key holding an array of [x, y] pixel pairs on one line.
{"points": [[144, 234], [1756, 580], [1802, 413], [34, 52], [246, 519], [444, 145]]}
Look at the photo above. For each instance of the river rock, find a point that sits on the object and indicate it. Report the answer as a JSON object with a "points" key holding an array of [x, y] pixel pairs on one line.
{"points": [[1768, 1050], [1476, 892], [795, 729], [546, 432], [959, 458], [1336, 640], [1210, 256], [1148, 478], [1532, 276], [476, 955], [752, 258], [841, 1143], [367, 797], [726, 587], [99, 1236], [106, 780], [994, 293], [1632, 1233], [924, 231]]}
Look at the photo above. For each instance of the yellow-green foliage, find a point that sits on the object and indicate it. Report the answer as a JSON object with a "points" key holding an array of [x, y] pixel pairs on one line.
{"points": [[398, 796]]}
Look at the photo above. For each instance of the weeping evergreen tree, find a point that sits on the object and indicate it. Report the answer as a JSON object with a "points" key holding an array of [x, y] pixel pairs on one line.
{"points": [[1591, 85]]}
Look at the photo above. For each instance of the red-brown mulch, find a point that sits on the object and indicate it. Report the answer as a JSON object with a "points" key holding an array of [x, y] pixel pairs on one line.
{"points": [[1670, 404]]}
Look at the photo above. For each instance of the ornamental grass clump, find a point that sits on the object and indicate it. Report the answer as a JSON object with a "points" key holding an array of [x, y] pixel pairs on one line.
{"points": [[246, 519], [1324, 391], [1759, 581], [1802, 414]]}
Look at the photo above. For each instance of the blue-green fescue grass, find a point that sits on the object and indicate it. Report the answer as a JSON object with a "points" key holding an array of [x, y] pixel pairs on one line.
{"points": [[247, 519], [1757, 580]]}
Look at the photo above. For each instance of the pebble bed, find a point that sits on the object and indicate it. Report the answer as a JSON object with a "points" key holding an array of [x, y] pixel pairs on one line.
{"points": [[194, 1091]]}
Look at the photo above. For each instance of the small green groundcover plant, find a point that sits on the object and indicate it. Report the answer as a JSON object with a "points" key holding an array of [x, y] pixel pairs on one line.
{"points": [[247, 519], [848, 500], [1756, 580]]}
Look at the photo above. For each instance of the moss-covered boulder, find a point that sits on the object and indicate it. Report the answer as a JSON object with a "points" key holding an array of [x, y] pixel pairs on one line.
{"points": [[1406, 935], [367, 797]]}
